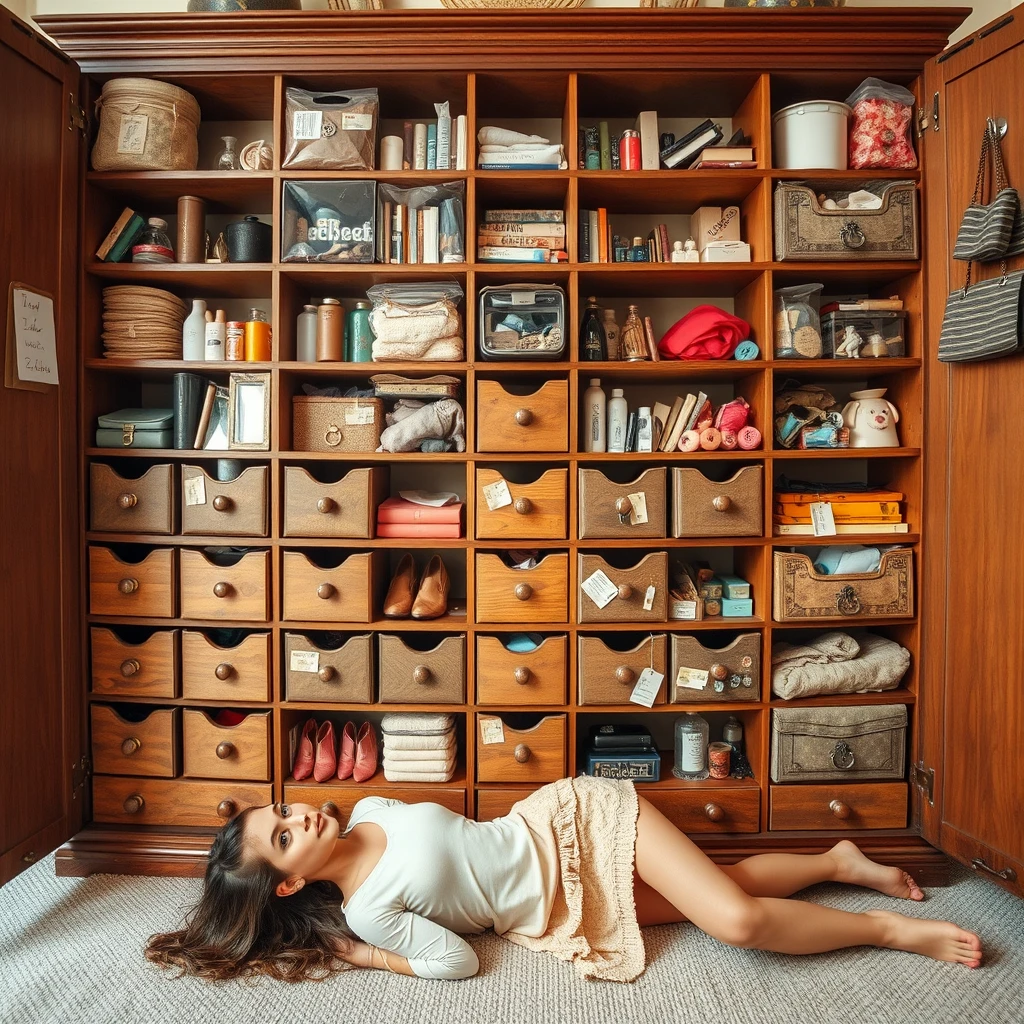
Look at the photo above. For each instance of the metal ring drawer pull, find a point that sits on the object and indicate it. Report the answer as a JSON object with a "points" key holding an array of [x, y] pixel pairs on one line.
{"points": [[332, 435], [131, 745], [847, 601], [127, 500], [852, 235], [1007, 874], [842, 757]]}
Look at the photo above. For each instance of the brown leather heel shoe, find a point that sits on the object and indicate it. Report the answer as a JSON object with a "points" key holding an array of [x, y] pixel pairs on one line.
{"points": [[398, 602], [432, 597]]}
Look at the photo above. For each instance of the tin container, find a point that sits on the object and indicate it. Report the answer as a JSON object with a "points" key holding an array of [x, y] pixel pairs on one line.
{"points": [[191, 229], [257, 337], [234, 342], [629, 150], [358, 336]]}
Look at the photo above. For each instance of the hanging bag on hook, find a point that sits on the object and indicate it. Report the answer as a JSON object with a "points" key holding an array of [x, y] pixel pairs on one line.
{"points": [[984, 320]]}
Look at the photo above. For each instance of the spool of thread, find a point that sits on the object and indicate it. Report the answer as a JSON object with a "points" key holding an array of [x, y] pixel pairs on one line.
{"points": [[689, 441], [746, 350], [391, 153], [710, 439], [257, 337], [749, 438], [191, 229], [234, 342], [729, 440], [330, 331], [719, 760]]}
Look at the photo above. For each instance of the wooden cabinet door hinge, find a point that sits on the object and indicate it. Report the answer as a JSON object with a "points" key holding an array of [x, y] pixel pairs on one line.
{"points": [[924, 779], [923, 117], [76, 116], [81, 772]]}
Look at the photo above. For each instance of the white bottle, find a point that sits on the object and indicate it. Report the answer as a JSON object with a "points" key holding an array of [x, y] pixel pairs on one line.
{"points": [[193, 332], [216, 336], [618, 416], [593, 417]]}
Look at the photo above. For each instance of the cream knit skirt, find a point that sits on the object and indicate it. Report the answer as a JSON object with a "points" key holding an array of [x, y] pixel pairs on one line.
{"points": [[593, 919]]}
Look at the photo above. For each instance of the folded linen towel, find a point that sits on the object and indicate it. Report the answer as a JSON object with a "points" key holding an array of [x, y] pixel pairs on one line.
{"points": [[416, 723], [443, 418], [397, 776], [490, 135], [419, 742], [879, 665], [393, 753], [821, 650], [518, 147], [444, 764]]}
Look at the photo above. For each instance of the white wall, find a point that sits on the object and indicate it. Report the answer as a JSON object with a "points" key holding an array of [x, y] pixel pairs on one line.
{"points": [[20, 7], [984, 10]]}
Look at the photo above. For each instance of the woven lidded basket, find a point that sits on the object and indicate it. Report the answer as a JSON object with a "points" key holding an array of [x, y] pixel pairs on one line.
{"points": [[324, 424], [146, 125]]}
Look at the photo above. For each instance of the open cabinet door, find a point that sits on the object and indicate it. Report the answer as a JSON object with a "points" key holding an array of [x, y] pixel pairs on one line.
{"points": [[973, 609], [42, 746]]}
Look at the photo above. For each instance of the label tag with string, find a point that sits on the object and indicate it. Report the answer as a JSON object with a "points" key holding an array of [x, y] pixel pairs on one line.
{"points": [[822, 520], [648, 686]]}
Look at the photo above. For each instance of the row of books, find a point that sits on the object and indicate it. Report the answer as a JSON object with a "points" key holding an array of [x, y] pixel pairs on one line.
{"points": [[399, 517], [439, 145], [598, 244], [798, 513], [671, 422], [521, 236], [421, 234]]}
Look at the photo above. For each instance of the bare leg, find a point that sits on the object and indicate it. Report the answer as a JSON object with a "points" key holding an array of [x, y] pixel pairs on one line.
{"points": [[668, 862]]}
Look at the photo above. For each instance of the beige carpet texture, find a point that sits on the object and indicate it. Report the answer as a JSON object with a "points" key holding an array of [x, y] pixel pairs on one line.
{"points": [[71, 952]]}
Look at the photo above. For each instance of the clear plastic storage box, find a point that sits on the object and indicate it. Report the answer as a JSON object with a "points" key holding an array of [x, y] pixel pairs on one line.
{"points": [[522, 321]]}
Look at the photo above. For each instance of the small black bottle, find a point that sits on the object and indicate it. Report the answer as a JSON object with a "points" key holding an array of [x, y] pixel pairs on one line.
{"points": [[593, 343]]}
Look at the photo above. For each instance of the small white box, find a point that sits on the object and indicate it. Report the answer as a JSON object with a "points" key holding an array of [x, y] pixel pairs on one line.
{"points": [[726, 252], [714, 224]]}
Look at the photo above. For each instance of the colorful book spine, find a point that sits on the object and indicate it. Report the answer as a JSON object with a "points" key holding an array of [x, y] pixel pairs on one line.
{"points": [[510, 254], [521, 241], [525, 216]]}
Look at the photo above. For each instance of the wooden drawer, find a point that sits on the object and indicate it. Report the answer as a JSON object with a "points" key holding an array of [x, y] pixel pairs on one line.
{"points": [[504, 594], [838, 805], [120, 504], [212, 751], [602, 500], [127, 801], [348, 592], [344, 798], [799, 592], [146, 669], [410, 675], [537, 511], [496, 803], [329, 675], [237, 672], [529, 755], [709, 508], [145, 588], [537, 422], [228, 508], [651, 570], [235, 591], [607, 676], [709, 808], [143, 743], [520, 677], [345, 508], [729, 673]]}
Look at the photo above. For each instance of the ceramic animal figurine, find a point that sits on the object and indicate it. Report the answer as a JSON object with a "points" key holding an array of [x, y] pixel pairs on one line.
{"points": [[871, 420]]}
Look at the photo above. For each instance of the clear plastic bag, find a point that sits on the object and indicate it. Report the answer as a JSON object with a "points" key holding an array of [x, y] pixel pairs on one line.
{"points": [[328, 130], [797, 322], [417, 320], [422, 225], [880, 126]]}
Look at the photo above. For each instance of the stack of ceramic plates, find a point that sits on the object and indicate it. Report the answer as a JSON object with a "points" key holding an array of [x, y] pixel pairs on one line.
{"points": [[142, 323]]}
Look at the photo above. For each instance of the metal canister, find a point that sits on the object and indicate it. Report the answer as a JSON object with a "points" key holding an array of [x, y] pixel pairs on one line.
{"points": [[257, 337], [234, 341], [629, 150], [191, 230], [359, 337], [330, 331]]}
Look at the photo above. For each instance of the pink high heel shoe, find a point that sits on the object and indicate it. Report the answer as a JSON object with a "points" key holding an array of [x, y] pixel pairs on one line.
{"points": [[326, 753], [366, 753], [304, 756], [347, 756]]}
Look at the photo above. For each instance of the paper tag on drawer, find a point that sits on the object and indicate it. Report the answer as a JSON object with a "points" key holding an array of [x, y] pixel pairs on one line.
{"points": [[692, 678], [638, 514], [822, 519], [306, 124], [195, 490], [304, 661], [600, 589], [647, 688], [497, 495], [492, 730], [361, 415], [649, 597]]}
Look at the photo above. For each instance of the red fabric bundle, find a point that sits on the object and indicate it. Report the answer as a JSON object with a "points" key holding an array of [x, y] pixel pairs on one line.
{"points": [[706, 332]]}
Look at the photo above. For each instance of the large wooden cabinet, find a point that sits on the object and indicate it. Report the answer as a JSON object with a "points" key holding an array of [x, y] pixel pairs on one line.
{"points": [[551, 68]]}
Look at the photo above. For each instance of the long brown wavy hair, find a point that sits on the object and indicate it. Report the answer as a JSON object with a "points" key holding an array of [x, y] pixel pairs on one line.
{"points": [[242, 928]]}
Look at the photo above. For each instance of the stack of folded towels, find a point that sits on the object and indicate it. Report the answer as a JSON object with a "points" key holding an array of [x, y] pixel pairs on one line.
{"points": [[504, 149], [418, 747]]}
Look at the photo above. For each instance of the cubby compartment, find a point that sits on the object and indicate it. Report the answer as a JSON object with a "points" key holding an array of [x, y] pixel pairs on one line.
{"points": [[328, 667], [609, 667], [131, 497], [135, 739], [225, 664], [521, 668], [226, 744], [622, 502], [133, 580], [134, 661], [522, 414], [331, 585], [741, 562], [521, 501]]}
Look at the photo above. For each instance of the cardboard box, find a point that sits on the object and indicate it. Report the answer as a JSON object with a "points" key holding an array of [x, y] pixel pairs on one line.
{"points": [[714, 224], [733, 587], [725, 252]]}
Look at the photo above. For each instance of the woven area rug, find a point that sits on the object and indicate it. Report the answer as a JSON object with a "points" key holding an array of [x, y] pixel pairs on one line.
{"points": [[71, 951]]}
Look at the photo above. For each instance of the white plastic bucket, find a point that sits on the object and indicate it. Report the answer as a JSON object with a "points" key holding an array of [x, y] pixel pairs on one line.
{"points": [[811, 134]]}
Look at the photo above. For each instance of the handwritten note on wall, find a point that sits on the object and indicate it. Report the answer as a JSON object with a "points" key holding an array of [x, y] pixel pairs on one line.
{"points": [[35, 337]]}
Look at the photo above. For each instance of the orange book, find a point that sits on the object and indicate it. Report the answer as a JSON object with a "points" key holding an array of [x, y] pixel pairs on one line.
{"points": [[602, 234], [436, 530]]}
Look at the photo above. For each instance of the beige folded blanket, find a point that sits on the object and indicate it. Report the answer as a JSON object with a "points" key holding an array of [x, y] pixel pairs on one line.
{"points": [[395, 776], [838, 663], [436, 349], [419, 753], [441, 764]]}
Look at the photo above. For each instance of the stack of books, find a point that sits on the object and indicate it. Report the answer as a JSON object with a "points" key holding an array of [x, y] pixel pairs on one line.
{"points": [[521, 236], [858, 511], [120, 237], [399, 517], [670, 423], [435, 145], [718, 157], [620, 751]]}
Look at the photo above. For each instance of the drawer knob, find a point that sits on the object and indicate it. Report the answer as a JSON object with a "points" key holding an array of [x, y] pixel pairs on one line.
{"points": [[326, 505], [226, 808], [623, 506], [839, 809], [721, 502], [326, 591], [421, 675], [521, 675], [326, 674], [222, 503], [625, 591], [221, 589], [130, 746], [129, 667], [713, 812], [719, 672], [524, 417], [521, 753], [523, 506], [523, 591], [224, 671], [225, 749], [133, 804], [127, 500], [625, 675], [128, 585]]}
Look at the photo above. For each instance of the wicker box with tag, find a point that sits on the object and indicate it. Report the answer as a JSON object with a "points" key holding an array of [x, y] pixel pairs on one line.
{"points": [[847, 744], [322, 424]]}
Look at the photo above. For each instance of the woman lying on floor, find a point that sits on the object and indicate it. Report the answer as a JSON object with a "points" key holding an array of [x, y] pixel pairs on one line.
{"points": [[574, 869]]}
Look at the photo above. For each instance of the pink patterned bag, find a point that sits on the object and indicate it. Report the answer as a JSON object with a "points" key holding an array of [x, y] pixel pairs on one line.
{"points": [[880, 126]]}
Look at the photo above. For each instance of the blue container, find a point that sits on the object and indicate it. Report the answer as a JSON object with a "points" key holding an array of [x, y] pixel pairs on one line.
{"points": [[358, 336]]}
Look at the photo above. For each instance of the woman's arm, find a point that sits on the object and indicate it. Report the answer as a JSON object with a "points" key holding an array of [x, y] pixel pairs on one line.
{"points": [[362, 954]]}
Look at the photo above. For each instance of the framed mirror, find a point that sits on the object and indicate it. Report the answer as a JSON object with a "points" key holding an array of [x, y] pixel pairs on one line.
{"points": [[249, 411]]}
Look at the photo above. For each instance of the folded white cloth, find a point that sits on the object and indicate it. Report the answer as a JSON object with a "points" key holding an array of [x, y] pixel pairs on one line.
{"points": [[489, 135], [393, 753], [397, 776], [419, 743], [416, 723], [502, 155], [442, 764], [517, 147]]}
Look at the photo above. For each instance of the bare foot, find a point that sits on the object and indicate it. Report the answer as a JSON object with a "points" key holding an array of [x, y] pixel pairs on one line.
{"points": [[856, 869], [940, 940]]}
